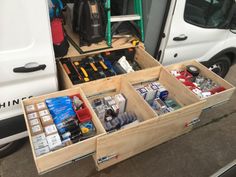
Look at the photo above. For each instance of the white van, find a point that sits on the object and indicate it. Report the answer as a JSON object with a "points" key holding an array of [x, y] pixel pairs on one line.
{"points": [[201, 29], [193, 29]]}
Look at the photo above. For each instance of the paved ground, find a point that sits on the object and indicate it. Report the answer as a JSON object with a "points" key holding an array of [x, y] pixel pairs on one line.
{"points": [[196, 154]]}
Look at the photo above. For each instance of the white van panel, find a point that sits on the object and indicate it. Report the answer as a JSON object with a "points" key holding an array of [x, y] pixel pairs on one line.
{"points": [[12, 94], [25, 35]]}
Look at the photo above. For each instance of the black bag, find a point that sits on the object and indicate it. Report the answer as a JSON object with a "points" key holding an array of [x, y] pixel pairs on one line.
{"points": [[89, 21]]}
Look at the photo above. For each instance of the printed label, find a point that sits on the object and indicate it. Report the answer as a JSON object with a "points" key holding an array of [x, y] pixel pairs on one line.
{"points": [[50, 129], [30, 108], [46, 118], [42, 151], [41, 105], [34, 122], [43, 113], [38, 138], [36, 128], [32, 115]]}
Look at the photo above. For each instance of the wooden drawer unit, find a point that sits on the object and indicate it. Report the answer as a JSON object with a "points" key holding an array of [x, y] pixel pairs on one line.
{"points": [[143, 59], [152, 129], [62, 156], [215, 99], [109, 148]]}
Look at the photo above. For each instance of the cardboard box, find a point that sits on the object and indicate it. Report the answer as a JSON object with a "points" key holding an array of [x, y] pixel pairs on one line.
{"points": [[30, 108], [33, 115], [34, 122], [36, 130], [41, 106], [46, 120], [44, 112], [50, 129]]}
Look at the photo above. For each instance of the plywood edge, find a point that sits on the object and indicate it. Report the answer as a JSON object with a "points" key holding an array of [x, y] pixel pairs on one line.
{"points": [[144, 59], [28, 128], [94, 115], [143, 75], [101, 85], [37, 99], [135, 101], [65, 81]]}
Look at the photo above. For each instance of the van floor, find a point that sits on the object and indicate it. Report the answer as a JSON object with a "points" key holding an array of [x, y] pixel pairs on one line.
{"points": [[199, 153]]}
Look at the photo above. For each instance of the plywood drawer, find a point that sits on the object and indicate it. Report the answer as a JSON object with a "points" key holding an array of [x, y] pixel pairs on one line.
{"points": [[153, 129], [144, 59], [215, 99], [64, 155]]}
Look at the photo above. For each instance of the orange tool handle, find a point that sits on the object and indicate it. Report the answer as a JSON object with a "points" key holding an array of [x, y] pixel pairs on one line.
{"points": [[66, 69]]}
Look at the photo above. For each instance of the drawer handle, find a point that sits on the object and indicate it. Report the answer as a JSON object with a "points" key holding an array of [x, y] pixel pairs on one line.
{"points": [[107, 158], [83, 157], [193, 122]]}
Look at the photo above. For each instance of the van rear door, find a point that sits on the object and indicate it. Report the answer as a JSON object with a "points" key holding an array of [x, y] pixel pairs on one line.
{"points": [[27, 62]]}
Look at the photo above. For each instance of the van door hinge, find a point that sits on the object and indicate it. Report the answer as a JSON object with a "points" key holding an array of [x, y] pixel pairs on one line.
{"points": [[106, 158], [193, 122]]}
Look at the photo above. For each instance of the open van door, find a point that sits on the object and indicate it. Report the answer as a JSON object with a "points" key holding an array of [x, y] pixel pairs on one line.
{"points": [[27, 61], [199, 29]]}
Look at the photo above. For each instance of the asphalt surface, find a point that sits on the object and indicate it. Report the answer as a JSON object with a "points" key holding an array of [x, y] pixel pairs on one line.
{"points": [[199, 153]]}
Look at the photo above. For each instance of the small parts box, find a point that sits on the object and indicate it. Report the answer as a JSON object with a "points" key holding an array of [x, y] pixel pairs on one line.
{"points": [[220, 91], [80, 108]]}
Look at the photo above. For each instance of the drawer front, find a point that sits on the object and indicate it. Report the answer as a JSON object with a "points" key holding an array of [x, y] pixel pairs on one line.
{"points": [[143, 58], [64, 155], [118, 146], [217, 98]]}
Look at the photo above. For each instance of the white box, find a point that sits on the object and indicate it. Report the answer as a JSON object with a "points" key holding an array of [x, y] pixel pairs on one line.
{"points": [[106, 99], [54, 141], [41, 151], [38, 138], [142, 91], [40, 144], [121, 102]]}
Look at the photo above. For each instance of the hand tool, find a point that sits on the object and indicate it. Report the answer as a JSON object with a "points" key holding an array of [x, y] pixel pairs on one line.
{"points": [[83, 71]]}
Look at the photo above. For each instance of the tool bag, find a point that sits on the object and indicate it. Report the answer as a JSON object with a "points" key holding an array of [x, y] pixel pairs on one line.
{"points": [[60, 43], [89, 21]]}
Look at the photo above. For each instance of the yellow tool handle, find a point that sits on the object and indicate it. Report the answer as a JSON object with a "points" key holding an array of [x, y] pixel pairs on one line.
{"points": [[103, 65], [93, 66], [135, 42], [76, 63], [86, 79], [84, 71]]}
